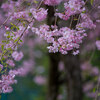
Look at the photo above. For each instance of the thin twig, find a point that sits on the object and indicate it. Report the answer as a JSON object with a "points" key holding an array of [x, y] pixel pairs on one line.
{"points": [[40, 4], [5, 21], [71, 21], [93, 8], [92, 55], [97, 88]]}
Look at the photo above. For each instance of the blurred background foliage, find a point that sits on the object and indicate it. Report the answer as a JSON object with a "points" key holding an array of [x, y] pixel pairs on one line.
{"points": [[27, 89]]}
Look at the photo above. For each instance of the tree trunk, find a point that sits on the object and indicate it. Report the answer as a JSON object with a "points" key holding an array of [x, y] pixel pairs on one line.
{"points": [[53, 82], [73, 77], [53, 87]]}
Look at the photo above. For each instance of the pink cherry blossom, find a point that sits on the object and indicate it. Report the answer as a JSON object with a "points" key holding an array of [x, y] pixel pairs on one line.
{"points": [[10, 62], [52, 2], [1, 67], [39, 14], [98, 44], [40, 80], [17, 55]]}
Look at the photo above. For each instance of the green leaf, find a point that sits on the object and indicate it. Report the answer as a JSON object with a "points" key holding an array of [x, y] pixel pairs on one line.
{"points": [[3, 59], [98, 94], [72, 9], [94, 90], [2, 47], [0, 96], [0, 69], [11, 23], [75, 19], [30, 14], [8, 36], [91, 1], [4, 41], [83, 11], [16, 39], [9, 49], [21, 41], [4, 51], [7, 32], [28, 4], [35, 1]]}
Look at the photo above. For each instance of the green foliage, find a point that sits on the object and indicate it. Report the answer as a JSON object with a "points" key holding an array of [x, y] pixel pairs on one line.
{"points": [[96, 59], [14, 26], [35, 1], [91, 1], [2, 47]]}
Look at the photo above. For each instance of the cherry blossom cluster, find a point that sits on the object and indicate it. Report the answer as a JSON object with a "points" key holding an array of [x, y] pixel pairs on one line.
{"points": [[98, 44], [66, 39], [12, 7], [7, 80], [91, 71], [85, 23], [72, 7], [52, 2], [62, 40], [39, 14], [40, 80]]}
